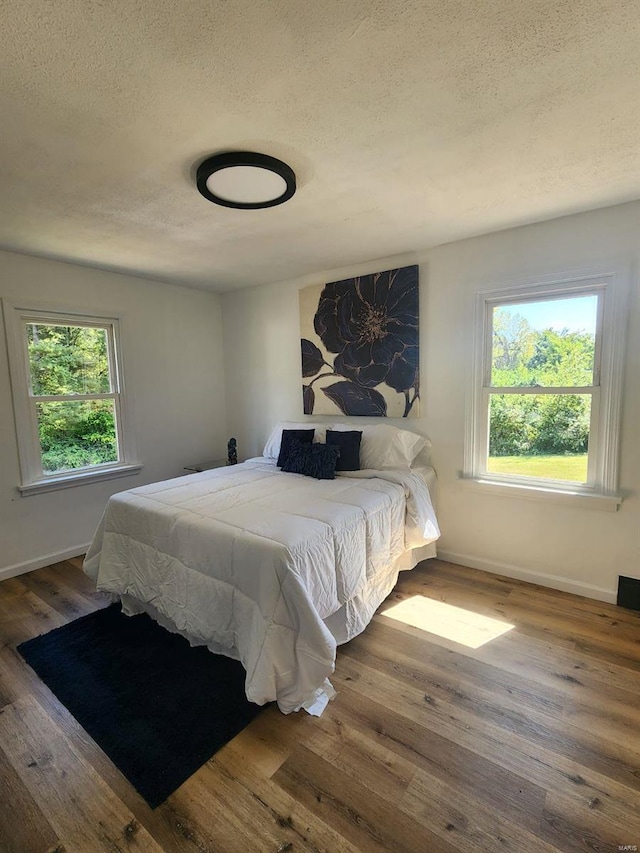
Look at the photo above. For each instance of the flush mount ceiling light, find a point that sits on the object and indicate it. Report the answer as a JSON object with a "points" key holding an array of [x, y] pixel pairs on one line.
{"points": [[245, 180]]}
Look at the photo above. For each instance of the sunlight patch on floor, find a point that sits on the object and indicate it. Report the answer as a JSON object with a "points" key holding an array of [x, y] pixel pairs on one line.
{"points": [[453, 623]]}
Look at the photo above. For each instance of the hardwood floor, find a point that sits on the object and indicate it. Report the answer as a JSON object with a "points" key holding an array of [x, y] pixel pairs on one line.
{"points": [[530, 742]]}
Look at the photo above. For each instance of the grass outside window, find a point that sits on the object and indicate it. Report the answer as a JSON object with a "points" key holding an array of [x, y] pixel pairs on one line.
{"points": [[569, 467]]}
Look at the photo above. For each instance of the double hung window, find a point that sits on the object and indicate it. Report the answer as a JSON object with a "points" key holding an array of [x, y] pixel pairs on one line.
{"points": [[547, 386], [68, 397]]}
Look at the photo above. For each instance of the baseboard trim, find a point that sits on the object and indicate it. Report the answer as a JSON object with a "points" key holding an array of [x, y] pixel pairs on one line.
{"points": [[552, 581], [40, 562]]}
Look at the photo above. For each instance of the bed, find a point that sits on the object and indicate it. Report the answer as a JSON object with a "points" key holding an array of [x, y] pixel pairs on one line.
{"points": [[270, 568]]}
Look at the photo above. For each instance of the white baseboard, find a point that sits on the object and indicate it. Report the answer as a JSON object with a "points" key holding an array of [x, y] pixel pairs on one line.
{"points": [[552, 581], [40, 562]]}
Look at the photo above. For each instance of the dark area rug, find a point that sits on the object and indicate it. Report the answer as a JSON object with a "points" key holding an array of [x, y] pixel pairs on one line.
{"points": [[158, 707]]}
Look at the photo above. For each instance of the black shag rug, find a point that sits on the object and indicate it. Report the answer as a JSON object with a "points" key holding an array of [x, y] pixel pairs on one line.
{"points": [[158, 707]]}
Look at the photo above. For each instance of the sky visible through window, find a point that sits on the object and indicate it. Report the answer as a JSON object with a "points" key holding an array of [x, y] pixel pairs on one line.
{"points": [[577, 314]]}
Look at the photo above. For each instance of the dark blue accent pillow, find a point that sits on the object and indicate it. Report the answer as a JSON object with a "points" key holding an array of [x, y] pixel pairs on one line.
{"points": [[313, 460], [349, 444], [288, 435]]}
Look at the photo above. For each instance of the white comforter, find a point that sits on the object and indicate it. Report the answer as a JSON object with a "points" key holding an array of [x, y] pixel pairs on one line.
{"points": [[250, 561]]}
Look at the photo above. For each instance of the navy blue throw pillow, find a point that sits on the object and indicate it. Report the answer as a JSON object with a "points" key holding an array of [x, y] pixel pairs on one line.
{"points": [[349, 444], [313, 460], [288, 435]]}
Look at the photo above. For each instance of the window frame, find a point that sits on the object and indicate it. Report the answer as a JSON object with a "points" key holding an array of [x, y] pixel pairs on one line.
{"points": [[606, 391], [33, 479]]}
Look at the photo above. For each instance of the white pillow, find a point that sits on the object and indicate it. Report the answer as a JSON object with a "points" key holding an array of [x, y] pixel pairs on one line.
{"points": [[272, 447], [423, 459], [385, 446]]}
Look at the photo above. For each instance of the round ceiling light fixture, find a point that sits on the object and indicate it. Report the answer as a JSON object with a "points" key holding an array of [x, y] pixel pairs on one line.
{"points": [[245, 180]]}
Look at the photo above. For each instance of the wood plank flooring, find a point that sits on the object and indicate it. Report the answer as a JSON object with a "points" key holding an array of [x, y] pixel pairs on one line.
{"points": [[528, 743]]}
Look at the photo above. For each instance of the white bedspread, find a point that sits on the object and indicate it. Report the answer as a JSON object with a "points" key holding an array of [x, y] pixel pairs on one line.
{"points": [[250, 562]]}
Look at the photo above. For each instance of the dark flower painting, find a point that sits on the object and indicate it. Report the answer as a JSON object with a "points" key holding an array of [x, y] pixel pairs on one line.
{"points": [[360, 350]]}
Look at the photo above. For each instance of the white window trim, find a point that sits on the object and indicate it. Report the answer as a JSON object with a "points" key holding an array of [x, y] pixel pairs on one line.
{"points": [[33, 479], [601, 493]]}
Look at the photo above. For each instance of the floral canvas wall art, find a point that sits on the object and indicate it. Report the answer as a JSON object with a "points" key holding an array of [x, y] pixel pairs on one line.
{"points": [[360, 346]]}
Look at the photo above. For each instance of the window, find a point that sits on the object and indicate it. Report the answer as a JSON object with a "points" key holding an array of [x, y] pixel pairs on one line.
{"points": [[547, 383], [68, 398]]}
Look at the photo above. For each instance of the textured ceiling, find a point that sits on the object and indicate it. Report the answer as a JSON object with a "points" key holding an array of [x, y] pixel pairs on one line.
{"points": [[408, 122]]}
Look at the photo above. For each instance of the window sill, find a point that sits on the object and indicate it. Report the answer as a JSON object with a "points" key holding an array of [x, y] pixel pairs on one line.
{"points": [[65, 481], [588, 500]]}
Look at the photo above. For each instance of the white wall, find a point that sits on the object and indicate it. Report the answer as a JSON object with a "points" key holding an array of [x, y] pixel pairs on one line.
{"points": [[173, 368], [581, 550]]}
